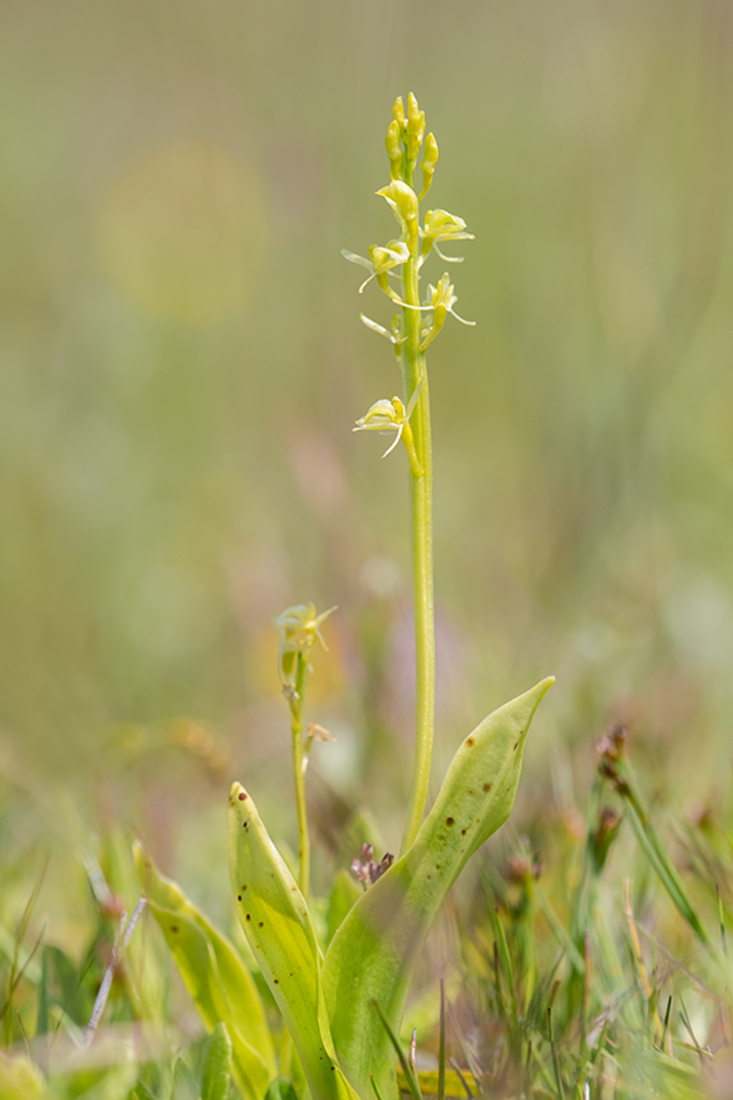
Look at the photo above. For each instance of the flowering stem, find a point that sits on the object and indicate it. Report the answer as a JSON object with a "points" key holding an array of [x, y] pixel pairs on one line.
{"points": [[299, 760], [414, 373]]}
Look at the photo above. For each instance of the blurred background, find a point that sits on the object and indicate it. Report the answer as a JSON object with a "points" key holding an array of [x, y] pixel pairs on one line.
{"points": [[182, 362]]}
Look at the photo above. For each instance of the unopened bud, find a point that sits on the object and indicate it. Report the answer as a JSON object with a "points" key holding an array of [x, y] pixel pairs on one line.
{"points": [[415, 127], [395, 152], [415, 118], [429, 160]]}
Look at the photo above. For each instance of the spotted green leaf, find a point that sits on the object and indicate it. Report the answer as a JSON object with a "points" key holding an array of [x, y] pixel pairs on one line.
{"points": [[214, 974], [373, 954], [277, 924]]}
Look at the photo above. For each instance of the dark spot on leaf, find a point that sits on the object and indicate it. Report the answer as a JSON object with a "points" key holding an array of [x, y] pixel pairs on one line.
{"points": [[174, 928], [239, 897], [242, 796], [487, 786], [333, 1069], [463, 832], [260, 925], [290, 974], [515, 746], [276, 981], [244, 886], [248, 916], [469, 741], [450, 821], [470, 792], [437, 866], [429, 877]]}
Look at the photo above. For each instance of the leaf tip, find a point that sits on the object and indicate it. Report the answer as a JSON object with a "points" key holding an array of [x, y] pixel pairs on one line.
{"points": [[237, 793]]}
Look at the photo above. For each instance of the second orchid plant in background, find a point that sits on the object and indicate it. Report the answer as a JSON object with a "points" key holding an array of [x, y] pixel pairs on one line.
{"points": [[343, 1000]]}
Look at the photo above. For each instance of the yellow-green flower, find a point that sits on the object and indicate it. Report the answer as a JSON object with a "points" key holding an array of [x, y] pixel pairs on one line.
{"points": [[441, 300], [442, 226], [298, 627], [382, 259], [386, 416]]}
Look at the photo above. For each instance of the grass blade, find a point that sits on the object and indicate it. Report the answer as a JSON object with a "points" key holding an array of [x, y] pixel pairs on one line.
{"points": [[407, 1070]]}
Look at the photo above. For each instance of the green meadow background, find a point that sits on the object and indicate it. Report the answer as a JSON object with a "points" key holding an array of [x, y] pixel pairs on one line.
{"points": [[181, 364]]}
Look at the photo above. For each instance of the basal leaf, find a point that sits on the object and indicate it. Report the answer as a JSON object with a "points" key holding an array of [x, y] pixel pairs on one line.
{"points": [[346, 892], [281, 1089], [373, 954], [184, 1082], [217, 1067], [142, 1092], [276, 922], [215, 975], [20, 1079], [429, 1083]]}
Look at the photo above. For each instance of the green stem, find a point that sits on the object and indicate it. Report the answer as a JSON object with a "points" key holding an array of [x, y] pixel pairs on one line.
{"points": [[421, 500], [296, 710]]}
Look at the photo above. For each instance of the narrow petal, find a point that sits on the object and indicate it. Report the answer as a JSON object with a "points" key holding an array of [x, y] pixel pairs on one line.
{"points": [[461, 319], [395, 441], [376, 328], [448, 259], [353, 258]]}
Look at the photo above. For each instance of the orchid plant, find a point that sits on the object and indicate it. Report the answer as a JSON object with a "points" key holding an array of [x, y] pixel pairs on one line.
{"points": [[341, 1002]]}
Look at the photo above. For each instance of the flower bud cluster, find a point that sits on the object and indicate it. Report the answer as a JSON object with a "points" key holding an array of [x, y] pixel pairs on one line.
{"points": [[366, 869], [603, 835], [611, 751]]}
